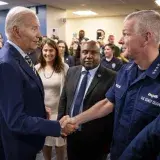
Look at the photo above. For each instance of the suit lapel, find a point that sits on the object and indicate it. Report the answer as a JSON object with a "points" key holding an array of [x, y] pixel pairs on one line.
{"points": [[95, 81], [30, 72], [23, 64]]}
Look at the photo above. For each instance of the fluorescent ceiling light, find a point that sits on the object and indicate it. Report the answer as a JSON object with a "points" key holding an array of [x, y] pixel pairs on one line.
{"points": [[85, 13], [157, 2], [2, 3]]}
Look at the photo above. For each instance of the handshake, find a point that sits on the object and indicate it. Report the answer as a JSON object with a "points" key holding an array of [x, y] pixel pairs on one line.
{"points": [[68, 125]]}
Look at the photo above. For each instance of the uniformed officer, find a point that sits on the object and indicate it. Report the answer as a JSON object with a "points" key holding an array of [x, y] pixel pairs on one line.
{"points": [[110, 61], [135, 95]]}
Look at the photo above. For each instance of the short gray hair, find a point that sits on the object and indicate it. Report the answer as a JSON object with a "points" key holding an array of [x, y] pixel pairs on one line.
{"points": [[15, 18], [146, 20]]}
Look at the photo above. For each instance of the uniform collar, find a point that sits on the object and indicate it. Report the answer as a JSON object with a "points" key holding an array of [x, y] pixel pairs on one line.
{"points": [[130, 65], [154, 69]]}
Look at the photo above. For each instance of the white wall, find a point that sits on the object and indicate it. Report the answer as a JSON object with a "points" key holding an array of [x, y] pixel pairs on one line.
{"points": [[111, 25], [54, 20]]}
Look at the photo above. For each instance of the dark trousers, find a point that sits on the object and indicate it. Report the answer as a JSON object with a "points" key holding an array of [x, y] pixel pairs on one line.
{"points": [[20, 157], [13, 156], [30, 157], [79, 149], [2, 156]]}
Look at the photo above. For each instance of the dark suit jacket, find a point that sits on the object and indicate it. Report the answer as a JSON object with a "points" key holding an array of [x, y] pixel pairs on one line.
{"points": [[146, 145], [23, 124], [97, 133], [69, 60]]}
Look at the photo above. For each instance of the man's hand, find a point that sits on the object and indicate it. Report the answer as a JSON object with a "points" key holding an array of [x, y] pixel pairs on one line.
{"points": [[68, 129], [48, 112], [68, 125]]}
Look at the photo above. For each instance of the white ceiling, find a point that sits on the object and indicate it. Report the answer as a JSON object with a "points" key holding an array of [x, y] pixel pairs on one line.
{"points": [[102, 7]]}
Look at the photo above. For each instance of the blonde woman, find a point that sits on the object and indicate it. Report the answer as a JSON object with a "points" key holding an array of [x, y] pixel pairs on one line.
{"points": [[52, 72]]}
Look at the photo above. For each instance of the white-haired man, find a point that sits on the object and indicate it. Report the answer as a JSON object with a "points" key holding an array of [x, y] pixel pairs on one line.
{"points": [[22, 112], [135, 95]]}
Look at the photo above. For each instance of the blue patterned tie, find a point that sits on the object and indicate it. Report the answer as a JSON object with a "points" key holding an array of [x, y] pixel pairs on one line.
{"points": [[80, 94], [30, 63]]}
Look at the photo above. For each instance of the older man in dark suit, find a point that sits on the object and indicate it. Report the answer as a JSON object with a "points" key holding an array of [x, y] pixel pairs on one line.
{"points": [[23, 123], [85, 85]]}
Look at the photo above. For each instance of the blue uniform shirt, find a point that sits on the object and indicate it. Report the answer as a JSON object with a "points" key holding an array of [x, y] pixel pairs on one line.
{"points": [[137, 103], [114, 64], [146, 145]]}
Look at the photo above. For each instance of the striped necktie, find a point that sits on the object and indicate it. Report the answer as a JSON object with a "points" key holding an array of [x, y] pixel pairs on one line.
{"points": [[30, 63]]}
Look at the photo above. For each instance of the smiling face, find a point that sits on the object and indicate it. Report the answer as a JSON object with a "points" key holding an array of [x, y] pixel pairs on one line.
{"points": [[49, 53]]}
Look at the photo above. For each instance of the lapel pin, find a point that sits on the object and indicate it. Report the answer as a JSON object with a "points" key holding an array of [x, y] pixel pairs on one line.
{"points": [[99, 75]]}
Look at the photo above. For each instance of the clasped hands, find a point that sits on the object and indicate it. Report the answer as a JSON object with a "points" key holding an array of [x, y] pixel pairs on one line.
{"points": [[68, 125]]}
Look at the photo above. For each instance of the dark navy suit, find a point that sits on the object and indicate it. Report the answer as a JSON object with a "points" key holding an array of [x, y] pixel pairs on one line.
{"points": [[23, 123]]}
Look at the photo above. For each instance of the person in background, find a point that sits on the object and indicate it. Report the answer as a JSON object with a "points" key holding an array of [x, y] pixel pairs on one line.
{"points": [[54, 35], [92, 140], [52, 71], [23, 118], [76, 42], [111, 40], [34, 55], [101, 40], [110, 61], [77, 56], [1, 40], [124, 55], [135, 96], [66, 57], [124, 52], [100, 33], [73, 47], [82, 37]]}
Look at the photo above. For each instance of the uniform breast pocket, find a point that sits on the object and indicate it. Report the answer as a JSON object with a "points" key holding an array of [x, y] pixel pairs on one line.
{"points": [[147, 108], [151, 108]]}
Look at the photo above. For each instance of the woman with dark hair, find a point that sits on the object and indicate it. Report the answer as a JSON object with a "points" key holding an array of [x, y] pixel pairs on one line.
{"points": [[110, 61], [52, 71], [63, 49], [77, 56]]}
